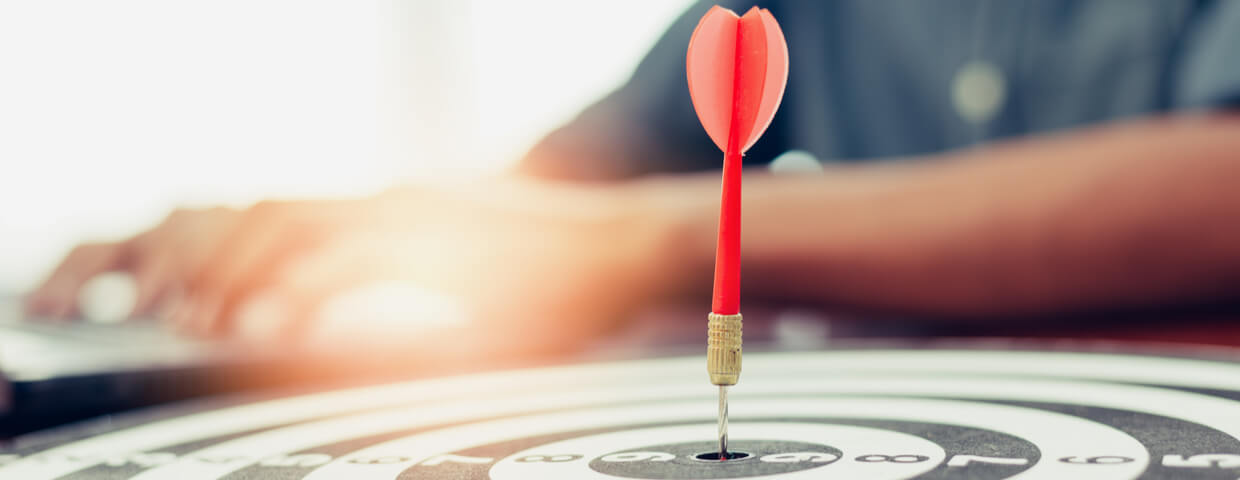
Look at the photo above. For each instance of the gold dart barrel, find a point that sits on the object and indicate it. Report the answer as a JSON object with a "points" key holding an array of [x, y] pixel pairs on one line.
{"points": [[723, 348]]}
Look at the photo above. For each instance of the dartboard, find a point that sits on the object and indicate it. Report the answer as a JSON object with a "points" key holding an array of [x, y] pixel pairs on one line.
{"points": [[854, 414]]}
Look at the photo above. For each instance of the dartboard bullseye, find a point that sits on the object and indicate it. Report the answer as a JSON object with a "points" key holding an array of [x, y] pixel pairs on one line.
{"points": [[866, 414]]}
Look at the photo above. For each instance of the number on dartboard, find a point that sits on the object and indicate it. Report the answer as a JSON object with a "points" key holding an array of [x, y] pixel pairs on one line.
{"points": [[299, 460], [379, 460], [798, 457], [638, 457], [450, 458], [220, 460], [1204, 460], [549, 458], [1098, 460], [879, 458], [965, 460], [144, 459]]}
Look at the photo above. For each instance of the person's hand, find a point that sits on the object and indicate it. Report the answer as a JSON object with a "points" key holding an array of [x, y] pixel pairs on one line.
{"points": [[160, 259], [256, 250], [191, 251], [546, 263], [536, 266]]}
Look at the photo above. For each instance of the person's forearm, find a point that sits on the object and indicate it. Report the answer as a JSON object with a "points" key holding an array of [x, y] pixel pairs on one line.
{"points": [[1118, 217]]}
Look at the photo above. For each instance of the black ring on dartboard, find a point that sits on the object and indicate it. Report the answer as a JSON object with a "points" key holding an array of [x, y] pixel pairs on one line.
{"points": [[952, 438]]}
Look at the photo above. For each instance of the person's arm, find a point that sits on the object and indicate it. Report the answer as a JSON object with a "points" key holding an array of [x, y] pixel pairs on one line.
{"points": [[646, 126], [1127, 216]]}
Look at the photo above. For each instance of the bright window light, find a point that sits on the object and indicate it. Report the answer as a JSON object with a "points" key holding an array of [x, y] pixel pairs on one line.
{"points": [[112, 113]]}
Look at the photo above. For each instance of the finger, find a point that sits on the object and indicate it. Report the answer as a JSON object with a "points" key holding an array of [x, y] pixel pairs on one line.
{"points": [[199, 234], [57, 296], [243, 262], [157, 252], [154, 278], [294, 297], [181, 315], [202, 319]]}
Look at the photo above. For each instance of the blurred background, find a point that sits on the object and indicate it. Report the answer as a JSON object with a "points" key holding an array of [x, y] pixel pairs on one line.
{"points": [[112, 113]]}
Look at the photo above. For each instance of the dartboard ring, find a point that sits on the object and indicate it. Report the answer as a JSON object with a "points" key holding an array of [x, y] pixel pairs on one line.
{"points": [[880, 414]]}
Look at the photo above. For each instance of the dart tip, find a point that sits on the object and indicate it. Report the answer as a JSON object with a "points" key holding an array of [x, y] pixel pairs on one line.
{"points": [[723, 422]]}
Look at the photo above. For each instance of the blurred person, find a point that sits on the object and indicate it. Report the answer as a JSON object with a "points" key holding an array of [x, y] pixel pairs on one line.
{"points": [[982, 161]]}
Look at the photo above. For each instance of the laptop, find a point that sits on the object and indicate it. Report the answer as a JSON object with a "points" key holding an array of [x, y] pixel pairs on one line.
{"points": [[54, 372]]}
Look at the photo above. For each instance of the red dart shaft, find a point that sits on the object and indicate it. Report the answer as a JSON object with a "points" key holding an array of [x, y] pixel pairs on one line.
{"points": [[727, 289], [728, 249]]}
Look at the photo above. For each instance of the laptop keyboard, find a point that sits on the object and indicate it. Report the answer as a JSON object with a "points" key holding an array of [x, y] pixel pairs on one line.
{"points": [[32, 349]]}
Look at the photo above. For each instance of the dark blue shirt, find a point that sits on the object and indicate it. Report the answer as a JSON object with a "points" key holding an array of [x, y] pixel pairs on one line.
{"points": [[893, 78]]}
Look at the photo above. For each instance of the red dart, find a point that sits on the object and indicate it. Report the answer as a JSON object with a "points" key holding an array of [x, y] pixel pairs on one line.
{"points": [[737, 69]]}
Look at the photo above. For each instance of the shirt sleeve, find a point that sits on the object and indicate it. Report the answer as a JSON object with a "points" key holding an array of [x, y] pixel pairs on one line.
{"points": [[647, 126], [1207, 74]]}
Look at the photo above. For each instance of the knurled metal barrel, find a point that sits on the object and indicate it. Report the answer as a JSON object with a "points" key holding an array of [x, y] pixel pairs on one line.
{"points": [[723, 348]]}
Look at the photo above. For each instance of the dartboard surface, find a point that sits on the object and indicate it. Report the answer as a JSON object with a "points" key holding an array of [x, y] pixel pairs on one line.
{"points": [[857, 414]]}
